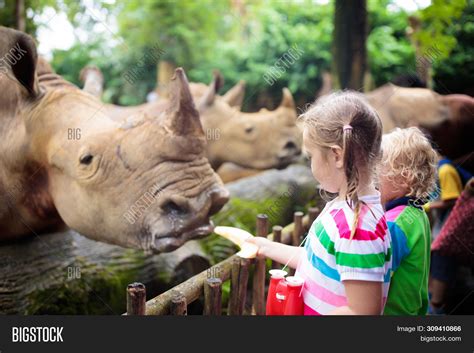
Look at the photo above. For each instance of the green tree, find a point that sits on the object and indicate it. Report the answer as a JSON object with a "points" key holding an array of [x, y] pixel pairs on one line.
{"points": [[272, 29], [389, 51], [455, 73], [185, 29], [8, 15]]}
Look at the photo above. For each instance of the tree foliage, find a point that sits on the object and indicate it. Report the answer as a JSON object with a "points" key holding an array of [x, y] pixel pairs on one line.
{"points": [[246, 40], [455, 73]]}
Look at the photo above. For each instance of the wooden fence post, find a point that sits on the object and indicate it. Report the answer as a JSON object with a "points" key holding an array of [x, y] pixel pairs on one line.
{"points": [[178, 304], [276, 238], [136, 299], [213, 296], [238, 287], [313, 213], [258, 289], [298, 230]]}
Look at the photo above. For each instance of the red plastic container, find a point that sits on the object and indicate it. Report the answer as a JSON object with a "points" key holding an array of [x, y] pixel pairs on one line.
{"points": [[274, 307], [294, 302], [285, 294]]}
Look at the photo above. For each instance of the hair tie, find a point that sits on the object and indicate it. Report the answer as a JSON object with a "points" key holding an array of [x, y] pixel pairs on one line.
{"points": [[346, 127]]}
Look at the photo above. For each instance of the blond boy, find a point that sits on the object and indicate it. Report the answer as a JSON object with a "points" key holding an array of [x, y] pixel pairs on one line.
{"points": [[407, 177]]}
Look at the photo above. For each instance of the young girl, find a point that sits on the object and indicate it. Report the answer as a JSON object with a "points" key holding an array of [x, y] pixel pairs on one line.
{"points": [[346, 258]]}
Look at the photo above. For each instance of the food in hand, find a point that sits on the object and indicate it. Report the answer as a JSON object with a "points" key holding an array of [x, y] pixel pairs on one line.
{"points": [[239, 237]]}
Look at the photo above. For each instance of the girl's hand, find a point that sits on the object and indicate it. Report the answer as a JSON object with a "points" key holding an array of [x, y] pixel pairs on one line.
{"points": [[262, 244]]}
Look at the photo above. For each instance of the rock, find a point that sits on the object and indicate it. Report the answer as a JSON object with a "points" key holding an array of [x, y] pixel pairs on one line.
{"points": [[66, 273], [297, 180]]}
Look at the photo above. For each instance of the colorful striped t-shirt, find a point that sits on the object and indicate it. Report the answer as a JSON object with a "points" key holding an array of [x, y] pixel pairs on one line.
{"points": [[332, 257]]}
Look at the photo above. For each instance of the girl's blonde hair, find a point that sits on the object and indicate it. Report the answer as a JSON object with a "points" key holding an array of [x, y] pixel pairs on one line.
{"points": [[409, 157], [345, 119]]}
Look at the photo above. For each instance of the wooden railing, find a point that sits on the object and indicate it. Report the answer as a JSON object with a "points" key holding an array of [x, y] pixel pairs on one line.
{"points": [[209, 282]]}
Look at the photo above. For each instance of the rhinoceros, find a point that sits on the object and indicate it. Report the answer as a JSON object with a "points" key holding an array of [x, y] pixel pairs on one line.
{"points": [[142, 183], [261, 140], [448, 119], [92, 79]]}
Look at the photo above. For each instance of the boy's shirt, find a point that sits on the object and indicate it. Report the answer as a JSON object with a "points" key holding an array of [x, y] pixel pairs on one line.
{"points": [[411, 240], [449, 182]]}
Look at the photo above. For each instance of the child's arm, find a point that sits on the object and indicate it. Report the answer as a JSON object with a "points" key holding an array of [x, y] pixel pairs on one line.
{"points": [[363, 298], [440, 204], [279, 252]]}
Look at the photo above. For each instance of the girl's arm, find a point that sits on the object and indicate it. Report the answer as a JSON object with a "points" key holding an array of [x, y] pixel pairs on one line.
{"points": [[363, 298], [278, 252]]}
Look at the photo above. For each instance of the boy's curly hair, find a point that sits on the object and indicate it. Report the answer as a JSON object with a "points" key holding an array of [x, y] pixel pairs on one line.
{"points": [[407, 156]]}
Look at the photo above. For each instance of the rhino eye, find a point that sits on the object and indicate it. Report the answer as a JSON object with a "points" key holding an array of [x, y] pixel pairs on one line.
{"points": [[248, 129], [86, 159]]}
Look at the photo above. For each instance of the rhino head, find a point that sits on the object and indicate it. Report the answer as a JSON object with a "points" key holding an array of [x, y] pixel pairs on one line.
{"points": [[142, 183], [261, 140]]}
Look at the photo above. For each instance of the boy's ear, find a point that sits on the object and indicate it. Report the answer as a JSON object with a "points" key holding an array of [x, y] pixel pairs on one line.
{"points": [[337, 154]]}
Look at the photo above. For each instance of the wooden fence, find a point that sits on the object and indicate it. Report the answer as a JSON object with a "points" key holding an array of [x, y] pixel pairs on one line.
{"points": [[209, 282]]}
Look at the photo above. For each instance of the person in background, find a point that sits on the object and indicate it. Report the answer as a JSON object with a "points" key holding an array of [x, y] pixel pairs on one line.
{"points": [[451, 180], [407, 175]]}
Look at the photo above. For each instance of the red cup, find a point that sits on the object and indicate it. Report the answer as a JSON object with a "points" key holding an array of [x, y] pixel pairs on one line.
{"points": [[294, 304], [274, 306]]}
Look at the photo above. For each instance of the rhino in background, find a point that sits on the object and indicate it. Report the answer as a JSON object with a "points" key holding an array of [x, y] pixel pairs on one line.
{"points": [[234, 97], [65, 162], [448, 119], [93, 80], [262, 140]]}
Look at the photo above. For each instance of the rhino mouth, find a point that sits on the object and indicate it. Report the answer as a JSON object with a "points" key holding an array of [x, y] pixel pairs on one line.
{"points": [[285, 161], [172, 241]]}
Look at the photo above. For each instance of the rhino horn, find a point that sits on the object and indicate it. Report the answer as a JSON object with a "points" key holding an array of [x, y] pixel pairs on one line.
{"points": [[93, 79], [209, 97], [287, 101], [19, 58], [183, 118], [235, 96]]}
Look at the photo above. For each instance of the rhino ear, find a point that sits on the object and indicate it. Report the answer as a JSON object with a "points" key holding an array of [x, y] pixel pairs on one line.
{"points": [[287, 100], [183, 118], [235, 96], [209, 97], [18, 60]]}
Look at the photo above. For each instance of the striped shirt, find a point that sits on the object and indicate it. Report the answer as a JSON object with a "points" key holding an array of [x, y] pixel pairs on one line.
{"points": [[332, 257]]}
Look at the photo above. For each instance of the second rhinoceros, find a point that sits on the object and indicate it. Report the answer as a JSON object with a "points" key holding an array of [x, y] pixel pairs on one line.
{"points": [[261, 140]]}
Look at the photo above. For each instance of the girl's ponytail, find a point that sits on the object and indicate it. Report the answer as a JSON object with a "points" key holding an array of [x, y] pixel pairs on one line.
{"points": [[352, 173]]}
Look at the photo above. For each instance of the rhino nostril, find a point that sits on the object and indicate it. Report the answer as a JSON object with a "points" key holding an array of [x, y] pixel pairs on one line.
{"points": [[218, 198], [171, 207], [290, 145]]}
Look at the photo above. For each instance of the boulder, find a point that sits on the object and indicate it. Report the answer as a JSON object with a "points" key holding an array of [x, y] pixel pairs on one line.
{"points": [[66, 273]]}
